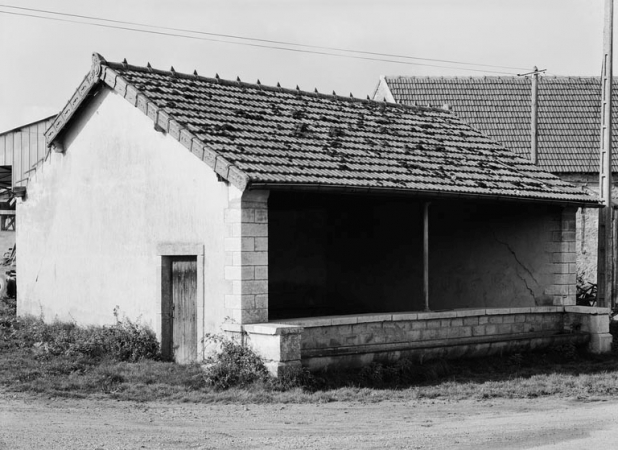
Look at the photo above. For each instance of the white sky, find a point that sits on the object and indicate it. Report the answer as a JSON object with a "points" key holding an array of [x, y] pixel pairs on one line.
{"points": [[42, 62]]}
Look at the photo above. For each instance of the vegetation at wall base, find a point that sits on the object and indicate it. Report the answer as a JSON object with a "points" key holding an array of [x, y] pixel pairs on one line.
{"points": [[613, 330], [123, 341], [64, 360]]}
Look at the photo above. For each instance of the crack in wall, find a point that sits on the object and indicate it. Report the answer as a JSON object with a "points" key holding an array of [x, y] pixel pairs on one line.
{"points": [[521, 264]]}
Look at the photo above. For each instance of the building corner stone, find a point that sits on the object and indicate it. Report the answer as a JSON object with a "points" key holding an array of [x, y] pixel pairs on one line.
{"points": [[246, 257]]}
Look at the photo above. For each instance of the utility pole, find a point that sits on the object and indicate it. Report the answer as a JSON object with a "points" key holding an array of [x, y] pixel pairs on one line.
{"points": [[534, 113], [426, 254], [534, 117], [605, 272]]}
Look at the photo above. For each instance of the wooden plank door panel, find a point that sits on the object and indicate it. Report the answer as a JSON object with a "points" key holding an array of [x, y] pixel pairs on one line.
{"points": [[167, 309], [184, 322]]}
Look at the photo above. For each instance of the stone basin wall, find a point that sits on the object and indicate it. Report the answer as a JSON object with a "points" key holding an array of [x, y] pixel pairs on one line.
{"points": [[362, 339], [357, 340]]}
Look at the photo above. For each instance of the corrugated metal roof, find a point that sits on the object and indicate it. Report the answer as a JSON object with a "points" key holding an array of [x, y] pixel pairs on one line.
{"points": [[286, 137], [568, 116]]}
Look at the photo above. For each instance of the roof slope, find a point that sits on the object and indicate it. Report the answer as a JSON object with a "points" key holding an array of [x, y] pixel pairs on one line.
{"points": [[258, 136], [569, 112]]}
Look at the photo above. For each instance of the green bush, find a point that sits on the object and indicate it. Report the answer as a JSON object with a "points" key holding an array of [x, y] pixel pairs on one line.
{"points": [[565, 352], [127, 341], [233, 365], [402, 372], [613, 329], [294, 378], [124, 341]]}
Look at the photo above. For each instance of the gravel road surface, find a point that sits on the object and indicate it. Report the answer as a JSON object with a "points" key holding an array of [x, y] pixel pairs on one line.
{"points": [[28, 422]]}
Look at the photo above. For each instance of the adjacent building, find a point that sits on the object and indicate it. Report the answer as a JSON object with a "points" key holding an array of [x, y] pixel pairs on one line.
{"points": [[20, 149]]}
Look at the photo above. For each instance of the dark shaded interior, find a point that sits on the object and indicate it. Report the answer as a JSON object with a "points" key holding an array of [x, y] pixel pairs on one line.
{"points": [[343, 254], [490, 254], [6, 177], [351, 254]]}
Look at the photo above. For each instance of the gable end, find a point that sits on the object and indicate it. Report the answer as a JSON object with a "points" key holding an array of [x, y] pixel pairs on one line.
{"points": [[161, 120]]}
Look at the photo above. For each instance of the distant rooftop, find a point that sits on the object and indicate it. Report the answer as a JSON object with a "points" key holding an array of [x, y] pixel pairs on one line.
{"points": [[42, 121], [568, 122]]}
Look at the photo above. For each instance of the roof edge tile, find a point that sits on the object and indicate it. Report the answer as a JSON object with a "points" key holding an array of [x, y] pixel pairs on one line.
{"points": [[91, 79]]}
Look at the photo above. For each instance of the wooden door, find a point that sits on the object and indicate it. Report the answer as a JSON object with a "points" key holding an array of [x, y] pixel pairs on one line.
{"points": [[184, 309]]}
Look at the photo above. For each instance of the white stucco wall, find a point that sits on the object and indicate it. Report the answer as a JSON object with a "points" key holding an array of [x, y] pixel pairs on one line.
{"points": [[382, 92], [93, 216]]}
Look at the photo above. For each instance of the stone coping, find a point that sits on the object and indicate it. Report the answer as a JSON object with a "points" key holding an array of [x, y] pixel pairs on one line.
{"points": [[271, 329], [595, 311], [325, 321]]}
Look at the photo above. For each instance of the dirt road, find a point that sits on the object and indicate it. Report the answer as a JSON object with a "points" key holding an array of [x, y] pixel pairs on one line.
{"points": [[31, 423]]}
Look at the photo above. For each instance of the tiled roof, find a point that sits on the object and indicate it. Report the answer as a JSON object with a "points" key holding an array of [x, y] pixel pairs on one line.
{"points": [[257, 136], [569, 111]]}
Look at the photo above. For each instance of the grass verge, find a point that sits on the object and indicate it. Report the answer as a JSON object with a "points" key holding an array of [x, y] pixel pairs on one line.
{"points": [[63, 360]]}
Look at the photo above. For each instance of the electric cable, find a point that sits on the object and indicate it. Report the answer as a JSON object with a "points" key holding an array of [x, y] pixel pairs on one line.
{"points": [[232, 36], [296, 50]]}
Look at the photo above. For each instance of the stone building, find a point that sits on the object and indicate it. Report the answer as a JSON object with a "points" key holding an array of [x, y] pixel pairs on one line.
{"points": [[323, 229]]}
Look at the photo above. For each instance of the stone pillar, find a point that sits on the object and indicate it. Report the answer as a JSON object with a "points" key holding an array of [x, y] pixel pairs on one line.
{"points": [[564, 258], [278, 344], [594, 321], [246, 255]]}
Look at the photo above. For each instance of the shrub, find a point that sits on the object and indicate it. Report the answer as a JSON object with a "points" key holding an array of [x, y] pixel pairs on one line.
{"points": [[374, 373], [565, 352], [233, 365], [124, 341], [402, 372], [613, 329], [8, 307], [294, 378], [128, 341]]}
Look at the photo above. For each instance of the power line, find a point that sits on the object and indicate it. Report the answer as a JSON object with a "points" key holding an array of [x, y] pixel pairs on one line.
{"points": [[249, 44], [232, 36], [160, 33]]}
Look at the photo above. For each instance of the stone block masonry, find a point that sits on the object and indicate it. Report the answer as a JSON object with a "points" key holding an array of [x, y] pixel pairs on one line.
{"points": [[277, 344], [594, 321], [388, 332], [358, 340], [246, 258], [563, 265], [588, 225]]}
